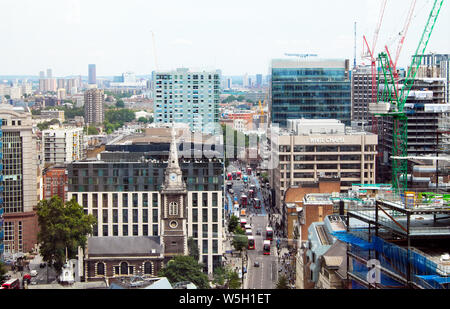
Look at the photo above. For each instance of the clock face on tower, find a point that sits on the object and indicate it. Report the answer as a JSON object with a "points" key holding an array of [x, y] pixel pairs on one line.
{"points": [[173, 177]]}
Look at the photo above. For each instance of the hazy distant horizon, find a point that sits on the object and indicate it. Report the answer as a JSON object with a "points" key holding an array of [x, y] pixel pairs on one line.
{"points": [[236, 37]]}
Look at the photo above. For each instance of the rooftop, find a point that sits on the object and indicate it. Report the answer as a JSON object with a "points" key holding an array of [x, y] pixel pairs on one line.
{"points": [[124, 245]]}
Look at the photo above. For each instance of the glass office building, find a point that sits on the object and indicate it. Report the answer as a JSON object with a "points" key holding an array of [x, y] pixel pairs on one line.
{"points": [[310, 89]]}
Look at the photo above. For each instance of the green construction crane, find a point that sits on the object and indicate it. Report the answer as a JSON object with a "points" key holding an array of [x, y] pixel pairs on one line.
{"points": [[391, 100]]}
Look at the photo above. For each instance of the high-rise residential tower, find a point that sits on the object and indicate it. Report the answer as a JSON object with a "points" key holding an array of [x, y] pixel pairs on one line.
{"points": [[92, 74], [310, 89], [183, 96], [93, 106]]}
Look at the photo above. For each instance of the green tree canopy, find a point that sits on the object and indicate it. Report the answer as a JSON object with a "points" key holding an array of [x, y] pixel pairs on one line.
{"points": [[227, 277], [185, 268], [239, 242], [119, 116], [193, 248], [282, 283], [143, 119], [233, 224], [92, 130], [62, 226], [120, 104]]}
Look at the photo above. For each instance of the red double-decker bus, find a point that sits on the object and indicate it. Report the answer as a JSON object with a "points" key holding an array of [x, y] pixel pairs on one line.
{"points": [[269, 233], [249, 170], [251, 243], [257, 203], [229, 176], [244, 200], [251, 193], [266, 247]]}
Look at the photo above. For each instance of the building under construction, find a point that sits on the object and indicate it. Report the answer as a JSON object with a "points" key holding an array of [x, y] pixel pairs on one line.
{"points": [[426, 109], [398, 243]]}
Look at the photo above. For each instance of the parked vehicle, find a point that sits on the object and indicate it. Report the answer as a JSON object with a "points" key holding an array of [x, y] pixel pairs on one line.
{"points": [[11, 284]]}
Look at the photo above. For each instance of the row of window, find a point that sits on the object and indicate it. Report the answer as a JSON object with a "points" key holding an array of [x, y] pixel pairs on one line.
{"points": [[145, 199]]}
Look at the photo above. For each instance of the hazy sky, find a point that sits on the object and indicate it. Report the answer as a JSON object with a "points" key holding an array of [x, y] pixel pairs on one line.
{"points": [[236, 36]]}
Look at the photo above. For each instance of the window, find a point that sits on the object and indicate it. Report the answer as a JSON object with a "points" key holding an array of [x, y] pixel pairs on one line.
{"points": [[205, 199], [101, 269], [194, 199], [135, 200], [145, 215], [214, 199], [124, 268], [205, 230], [135, 230], [125, 215], [205, 246], [115, 216], [194, 215], [105, 230], [155, 200], [135, 215], [155, 215], [145, 199], [105, 215], [125, 230], [205, 215], [124, 199], [115, 200], [115, 230], [173, 209], [214, 215], [145, 229], [215, 246], [147, 268]]}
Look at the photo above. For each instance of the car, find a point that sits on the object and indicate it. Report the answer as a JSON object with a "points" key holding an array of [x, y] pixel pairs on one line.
{"points": [[231, 191], [33, 273], [258, 232], [256, 264], [42, 265]]}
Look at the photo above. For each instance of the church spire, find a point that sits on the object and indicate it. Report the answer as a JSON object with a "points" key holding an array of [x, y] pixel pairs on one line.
{"points": [[173, 153]]}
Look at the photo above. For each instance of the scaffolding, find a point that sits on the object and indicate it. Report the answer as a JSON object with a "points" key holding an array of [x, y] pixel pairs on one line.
{"points": [[391, 234]]}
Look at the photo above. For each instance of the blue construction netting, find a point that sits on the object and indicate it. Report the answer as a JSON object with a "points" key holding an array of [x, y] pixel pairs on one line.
{"points": [[361, 271], [353, 240], [435, 278]]}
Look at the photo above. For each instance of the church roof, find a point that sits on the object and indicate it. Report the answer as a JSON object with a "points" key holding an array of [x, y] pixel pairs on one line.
{"points": [[124, 246]]}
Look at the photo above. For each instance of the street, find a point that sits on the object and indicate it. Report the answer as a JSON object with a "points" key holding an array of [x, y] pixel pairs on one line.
{"points": [[264, 276]]}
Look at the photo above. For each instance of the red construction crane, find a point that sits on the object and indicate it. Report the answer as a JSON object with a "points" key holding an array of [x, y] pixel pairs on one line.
{"points": [[370, 55]]}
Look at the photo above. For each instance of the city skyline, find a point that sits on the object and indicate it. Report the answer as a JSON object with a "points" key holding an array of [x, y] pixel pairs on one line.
{"points": [[213, 35]]}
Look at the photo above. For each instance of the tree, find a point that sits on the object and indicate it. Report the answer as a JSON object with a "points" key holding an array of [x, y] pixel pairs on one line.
{"points": [[282, 283], [7, 96], [227, 277], [185, 268], [234, 282], [143, 119], [92, 130], [193, 248], [120, 104], [62, 227], [233, 224], [240, 98], [3, 272], [239, 242]]}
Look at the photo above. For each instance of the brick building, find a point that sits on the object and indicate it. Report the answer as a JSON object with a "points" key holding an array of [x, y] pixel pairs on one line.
{"points": [[55, 182], [298, 216]]}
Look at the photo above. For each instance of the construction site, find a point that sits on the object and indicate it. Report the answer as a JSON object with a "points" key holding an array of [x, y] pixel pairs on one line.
{"points": [[402, 240]]}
